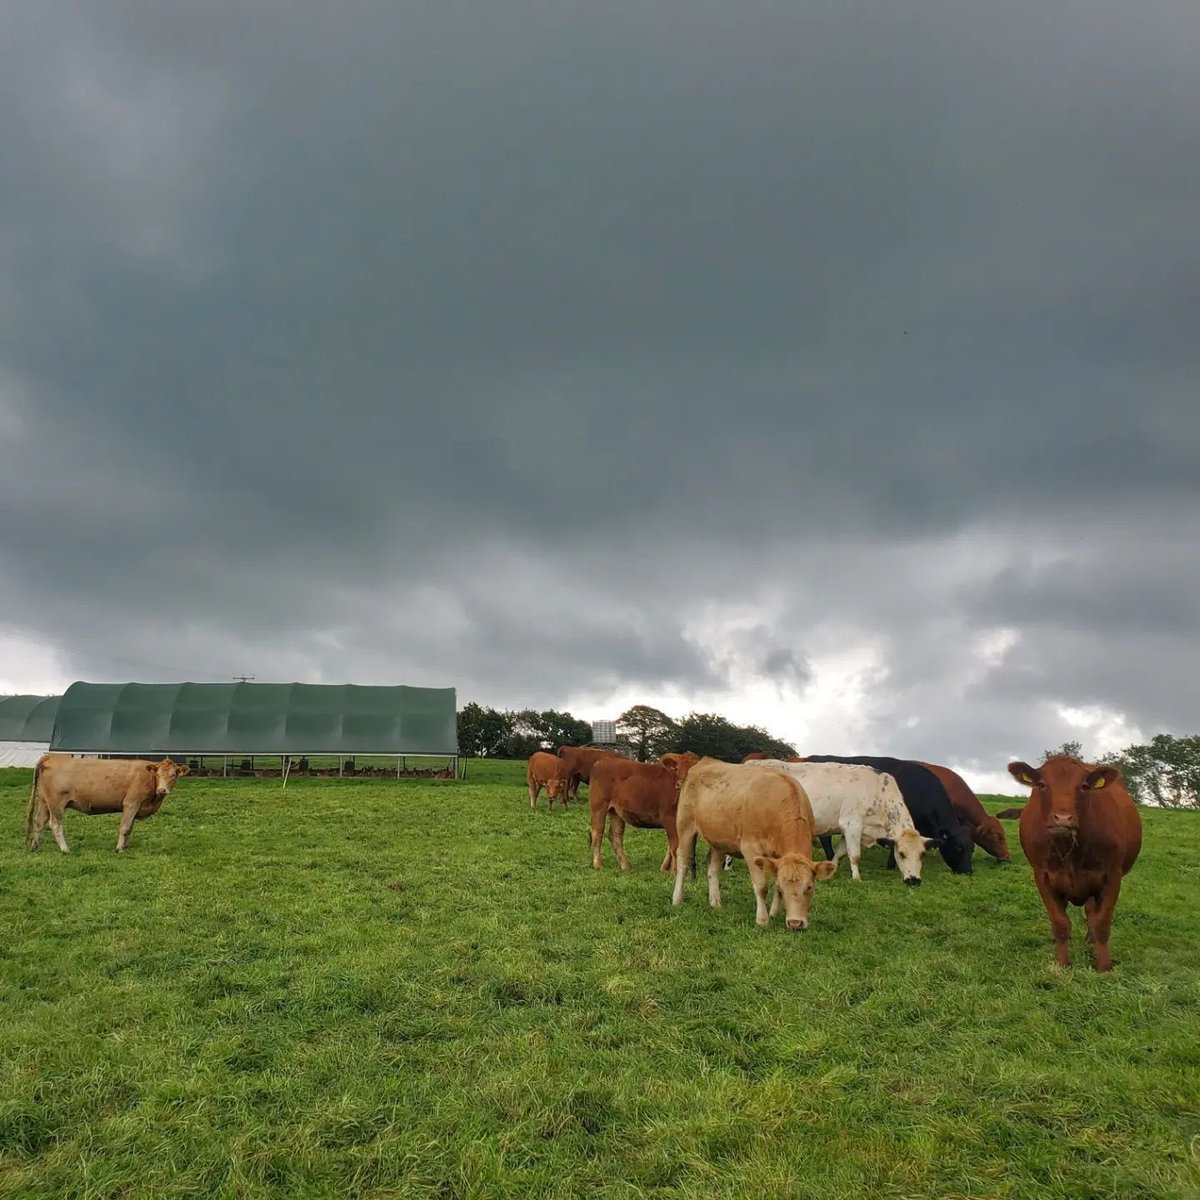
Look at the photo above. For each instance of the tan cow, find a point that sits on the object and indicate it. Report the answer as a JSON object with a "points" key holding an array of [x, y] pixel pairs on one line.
{"points": [[133, 787], [546, 771], [761, 816]]}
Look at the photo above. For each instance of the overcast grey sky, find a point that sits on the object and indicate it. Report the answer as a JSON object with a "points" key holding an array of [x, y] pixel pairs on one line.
{"points": [[833, 366]]}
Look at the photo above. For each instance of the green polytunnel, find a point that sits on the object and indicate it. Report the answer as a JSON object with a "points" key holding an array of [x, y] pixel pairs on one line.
{"points": [[255, 718], [27, 718]]}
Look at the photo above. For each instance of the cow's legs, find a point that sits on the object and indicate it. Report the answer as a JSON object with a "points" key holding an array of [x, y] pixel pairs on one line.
{"points": [[41, 816], [128, 815], [616, 835], [1099, 919], [851, 846], [758, 878], [826, 841], [1060, 923], [668, 863], [598, 815], [534, 791], [683, 855], [56, 828], [714, 877]]}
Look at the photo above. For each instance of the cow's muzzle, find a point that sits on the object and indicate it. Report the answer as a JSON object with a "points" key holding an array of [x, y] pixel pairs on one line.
{"points": [[160, 793], [798, 926], [913, 881]]}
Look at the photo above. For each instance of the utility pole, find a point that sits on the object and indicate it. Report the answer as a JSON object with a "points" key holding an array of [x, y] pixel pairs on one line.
{"points": [[243, 678]]}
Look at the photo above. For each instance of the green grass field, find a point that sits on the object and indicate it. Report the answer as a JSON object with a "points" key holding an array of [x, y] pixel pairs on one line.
{"points": [[393, 989]]}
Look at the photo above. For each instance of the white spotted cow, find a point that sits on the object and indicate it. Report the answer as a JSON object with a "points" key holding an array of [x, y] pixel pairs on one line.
{"points": [[863, 805]]}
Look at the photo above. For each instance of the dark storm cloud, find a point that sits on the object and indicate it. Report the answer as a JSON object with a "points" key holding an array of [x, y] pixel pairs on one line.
{"points": [[500, 342]]}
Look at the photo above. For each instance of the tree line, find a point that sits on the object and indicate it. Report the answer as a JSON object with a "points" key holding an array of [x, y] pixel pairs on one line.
{"points": [[1164, 771], [642, 732]]}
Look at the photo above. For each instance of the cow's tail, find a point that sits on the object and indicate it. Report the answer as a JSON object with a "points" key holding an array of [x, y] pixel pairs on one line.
{"points": [[31, 807], [692, 864]]}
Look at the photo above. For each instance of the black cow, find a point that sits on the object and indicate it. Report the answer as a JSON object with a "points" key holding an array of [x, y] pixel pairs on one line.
{"points": [[927, 802]]}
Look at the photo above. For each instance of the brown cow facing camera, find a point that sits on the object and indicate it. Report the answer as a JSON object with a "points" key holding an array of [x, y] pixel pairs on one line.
{"points": [[1081, 834], [134, 787]]}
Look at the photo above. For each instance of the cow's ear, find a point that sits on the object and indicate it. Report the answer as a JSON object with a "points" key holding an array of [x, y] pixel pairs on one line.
{"points": [[931, 842], [152, 768], [1024, 773], [670, 761], [886, 843], [825, 870], [1101, 777], [763, 863], [184, 769]]}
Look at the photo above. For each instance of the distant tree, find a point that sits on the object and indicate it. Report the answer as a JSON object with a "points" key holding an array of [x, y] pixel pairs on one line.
{"points": [[526, 733], [1166, 771], [482, 732], [712, 734], [1074, 749], [562, 729], [648, 731], [758, 739]]}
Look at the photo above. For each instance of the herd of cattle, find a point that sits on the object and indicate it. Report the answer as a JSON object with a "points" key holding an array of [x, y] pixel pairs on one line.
{"points": [[1080, 830]]}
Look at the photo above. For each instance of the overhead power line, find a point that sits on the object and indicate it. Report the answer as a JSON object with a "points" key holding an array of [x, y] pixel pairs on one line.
{"points": [[56, 644]]}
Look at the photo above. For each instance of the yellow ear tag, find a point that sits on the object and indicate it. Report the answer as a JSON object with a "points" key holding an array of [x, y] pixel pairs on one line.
{"points": [[1027, 779], [1099, 783]]}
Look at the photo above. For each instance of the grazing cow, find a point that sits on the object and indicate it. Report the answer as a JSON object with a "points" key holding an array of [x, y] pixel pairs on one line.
{"points": [[986, 830], [1009, 814], [643, 795], [865, 807], [1081, 833], [546, 771], [926, 799], [133, 787], [761, 816], [579, 761]]}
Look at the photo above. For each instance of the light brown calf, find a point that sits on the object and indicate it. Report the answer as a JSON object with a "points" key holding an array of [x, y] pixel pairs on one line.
{"points": [[546, 771], [760, 815], [135, 788]]}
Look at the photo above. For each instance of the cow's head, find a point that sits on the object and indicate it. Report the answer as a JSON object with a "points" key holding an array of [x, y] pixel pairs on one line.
{"points": [[908, 848], [556, 784], [957, 847], [1061, 787], [989, 833], [165, 773], [795, 876], [681, 764]]}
